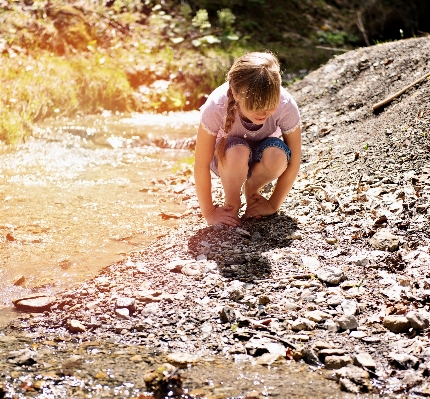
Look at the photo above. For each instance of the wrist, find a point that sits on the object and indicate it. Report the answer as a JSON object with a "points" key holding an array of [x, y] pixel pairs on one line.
{"points": [[273, 206], [209, 214]]}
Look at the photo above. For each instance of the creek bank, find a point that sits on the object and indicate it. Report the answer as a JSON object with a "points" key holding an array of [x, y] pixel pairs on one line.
{"points": [[338, 278]]}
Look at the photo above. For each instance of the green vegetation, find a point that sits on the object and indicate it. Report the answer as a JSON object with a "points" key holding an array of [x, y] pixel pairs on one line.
{"points": [[62, 57]]}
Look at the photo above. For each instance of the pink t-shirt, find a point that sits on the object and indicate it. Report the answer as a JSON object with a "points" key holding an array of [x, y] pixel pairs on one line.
{"points": [[213, 113]]}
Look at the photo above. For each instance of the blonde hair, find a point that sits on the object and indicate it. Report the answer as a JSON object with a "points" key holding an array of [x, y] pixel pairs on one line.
{"points": [[255, 78]]}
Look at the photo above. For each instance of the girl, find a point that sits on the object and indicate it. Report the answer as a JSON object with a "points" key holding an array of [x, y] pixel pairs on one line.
{"points": [[239, 140]]}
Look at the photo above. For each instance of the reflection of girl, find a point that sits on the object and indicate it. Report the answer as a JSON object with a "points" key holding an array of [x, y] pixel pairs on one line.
{"points": [[239, 139]]}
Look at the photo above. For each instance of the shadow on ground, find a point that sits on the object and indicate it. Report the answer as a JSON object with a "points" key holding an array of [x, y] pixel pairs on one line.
{"points": [[240, 253]]}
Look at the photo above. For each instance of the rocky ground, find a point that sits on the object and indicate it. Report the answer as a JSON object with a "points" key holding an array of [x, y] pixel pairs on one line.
{"points": [[338, 279]]}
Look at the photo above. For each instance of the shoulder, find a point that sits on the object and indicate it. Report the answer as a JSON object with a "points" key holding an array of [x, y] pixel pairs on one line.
{"points": [[286, 97], [218, 98]]}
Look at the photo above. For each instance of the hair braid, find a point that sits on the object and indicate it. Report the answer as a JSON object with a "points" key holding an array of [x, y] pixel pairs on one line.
{"points": [[229, 120]]}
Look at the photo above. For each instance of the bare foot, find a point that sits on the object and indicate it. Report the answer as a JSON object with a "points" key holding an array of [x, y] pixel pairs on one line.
{"points": [[250, 194]]}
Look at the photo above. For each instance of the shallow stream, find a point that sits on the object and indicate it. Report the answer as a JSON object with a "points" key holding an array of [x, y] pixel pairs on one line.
{"points": [[82, 193]]}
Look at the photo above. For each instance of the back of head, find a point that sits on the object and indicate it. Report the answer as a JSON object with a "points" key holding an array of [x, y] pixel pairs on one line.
{"points": [[256, 78]]}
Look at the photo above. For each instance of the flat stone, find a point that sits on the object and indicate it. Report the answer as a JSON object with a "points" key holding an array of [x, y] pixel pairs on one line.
{"points": [[181, 358], [317, 315], [36, 303], [383, 240], [337, 362], [323, 353], [349, 307], [290, 306], [358, 334], [396, 324], [302, 324], [365, 360], [404, 361], [266, 359], [126, 302]]}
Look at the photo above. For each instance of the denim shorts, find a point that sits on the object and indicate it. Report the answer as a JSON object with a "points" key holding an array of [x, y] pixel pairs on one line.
{"points": [[256, 149]]}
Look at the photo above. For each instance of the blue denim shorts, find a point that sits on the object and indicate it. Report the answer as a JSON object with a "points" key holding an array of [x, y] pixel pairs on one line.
{"points": [[256, 149]]}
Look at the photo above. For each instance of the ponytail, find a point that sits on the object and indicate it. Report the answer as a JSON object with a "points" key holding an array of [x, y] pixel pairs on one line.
{"points": [[229, 120]]}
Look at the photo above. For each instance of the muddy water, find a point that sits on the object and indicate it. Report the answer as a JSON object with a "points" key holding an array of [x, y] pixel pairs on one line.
{"points": [[80, 195]]}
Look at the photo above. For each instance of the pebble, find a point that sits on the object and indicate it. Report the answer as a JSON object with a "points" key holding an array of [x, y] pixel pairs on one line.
{"points": [[347, 322], [303, 324], [403, 360], [75, 326], [330, 275], [384, 240]]}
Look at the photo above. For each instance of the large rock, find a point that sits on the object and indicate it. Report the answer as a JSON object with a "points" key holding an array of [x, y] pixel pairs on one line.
{"points": [[397, 324], [383, 240], [418, 320], [404, 361]]}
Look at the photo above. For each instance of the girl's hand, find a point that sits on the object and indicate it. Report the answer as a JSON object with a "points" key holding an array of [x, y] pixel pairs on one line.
{"points": [[223, 215], [258, 207]]}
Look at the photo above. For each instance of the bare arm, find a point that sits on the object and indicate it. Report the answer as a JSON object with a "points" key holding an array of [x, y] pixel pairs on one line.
{"points": [[205, 147], [286, 180]]}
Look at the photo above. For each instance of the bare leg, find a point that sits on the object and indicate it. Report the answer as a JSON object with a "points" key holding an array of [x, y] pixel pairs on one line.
{"points": [[233, 174], [273, 163]]}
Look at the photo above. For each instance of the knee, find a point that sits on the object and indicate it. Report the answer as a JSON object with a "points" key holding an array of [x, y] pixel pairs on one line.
{"points": [[274, 159], [237, 155]]}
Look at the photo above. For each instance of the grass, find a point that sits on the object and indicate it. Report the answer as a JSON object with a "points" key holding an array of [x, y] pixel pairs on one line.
{"points": [[48, 85]]}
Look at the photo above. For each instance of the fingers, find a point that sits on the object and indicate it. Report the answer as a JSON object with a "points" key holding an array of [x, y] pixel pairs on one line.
{"points": [[224, 216]]}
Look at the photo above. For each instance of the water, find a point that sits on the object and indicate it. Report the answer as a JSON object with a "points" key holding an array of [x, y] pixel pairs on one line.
{"points": [[80, 194]]}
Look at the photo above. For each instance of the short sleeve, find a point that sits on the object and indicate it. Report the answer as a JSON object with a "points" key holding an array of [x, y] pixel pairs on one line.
{"points": [[211, 117], [290, 116]]}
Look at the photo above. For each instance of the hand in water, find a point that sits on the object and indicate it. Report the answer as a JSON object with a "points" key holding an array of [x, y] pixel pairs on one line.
{"points": [[258, 206], [224, 215]]}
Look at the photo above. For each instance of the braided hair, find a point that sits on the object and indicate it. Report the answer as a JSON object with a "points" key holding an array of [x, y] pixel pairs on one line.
{"points": [[255, 78]]}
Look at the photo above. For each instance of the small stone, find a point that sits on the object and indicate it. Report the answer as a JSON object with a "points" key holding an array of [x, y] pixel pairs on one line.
{"points": [[349, 307], [264, 300], [23, 357], [364, 360], [310, 357], [227, 315], [317, 316], [290, 306], [337, 362], [182, 359], [310, 262], [302, 324], [383, 240], [396, 324], [347, 322], [126, 302], [404, 361], [101, 375], [267, 359], [75, 326], [358, 334], [330, 275], [331, 240], [123, 313], [418, 320], [331, 325], [354, 379]]}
